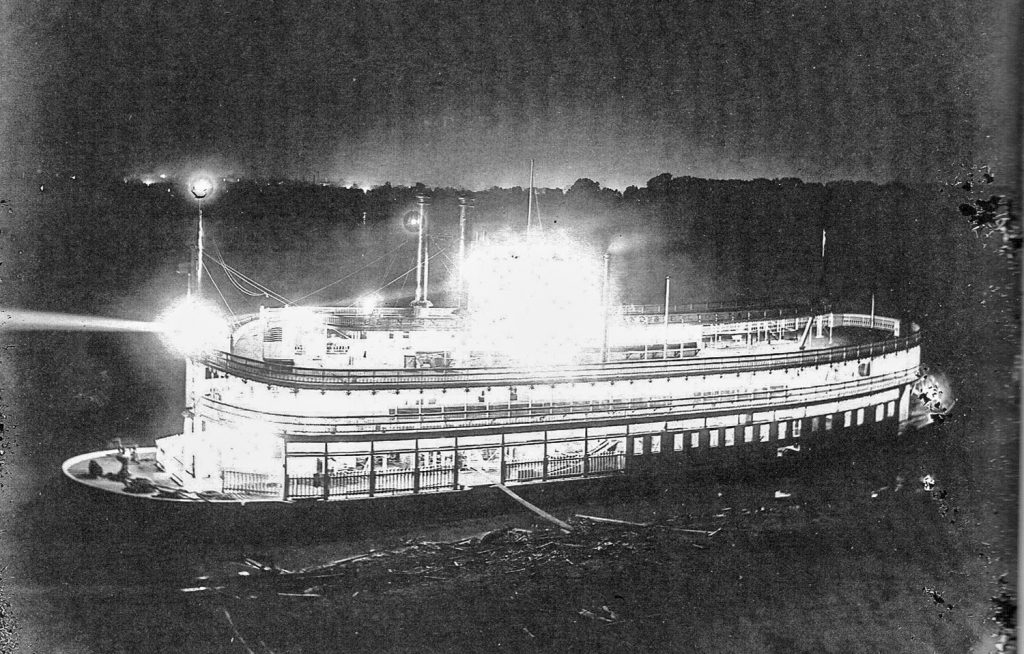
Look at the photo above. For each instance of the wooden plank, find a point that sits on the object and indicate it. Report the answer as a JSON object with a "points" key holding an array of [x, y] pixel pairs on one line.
{"points": [[542, 513], [613, 521]]}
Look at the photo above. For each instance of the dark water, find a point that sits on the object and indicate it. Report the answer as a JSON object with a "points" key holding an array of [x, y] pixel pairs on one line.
{"points": [[79, 579]]}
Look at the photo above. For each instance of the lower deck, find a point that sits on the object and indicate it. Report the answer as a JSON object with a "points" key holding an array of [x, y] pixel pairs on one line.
{"points": [[343, 471]]}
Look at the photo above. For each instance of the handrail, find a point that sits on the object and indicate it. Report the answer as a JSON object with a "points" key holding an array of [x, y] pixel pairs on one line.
{"points": [[546, 413], [414, 378]]}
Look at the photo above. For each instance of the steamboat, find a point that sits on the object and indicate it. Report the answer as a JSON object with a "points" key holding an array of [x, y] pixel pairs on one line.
{"points": [[333, 404]]}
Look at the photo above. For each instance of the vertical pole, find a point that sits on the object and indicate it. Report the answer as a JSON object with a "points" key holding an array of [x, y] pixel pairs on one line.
{"points": [[586, 450], [872, 311], [605, 308], [824, 267], [544, 463], [455, 466], [199, 253], [327, 476], [419, 252], [462, 253], [529, 206], [425, 221], [373, 470], [501, 473], [416, 466], [284, 466], [664, 345]]}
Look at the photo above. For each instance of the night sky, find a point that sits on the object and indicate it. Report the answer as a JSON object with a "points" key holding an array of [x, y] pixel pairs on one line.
{"points": [[464, 93]]}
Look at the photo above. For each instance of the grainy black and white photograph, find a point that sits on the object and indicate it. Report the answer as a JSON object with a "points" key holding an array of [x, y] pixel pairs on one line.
{"points": [[452, 326]]}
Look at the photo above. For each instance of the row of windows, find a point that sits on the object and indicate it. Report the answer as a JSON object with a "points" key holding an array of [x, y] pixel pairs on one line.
{"points": [[762, 432]]}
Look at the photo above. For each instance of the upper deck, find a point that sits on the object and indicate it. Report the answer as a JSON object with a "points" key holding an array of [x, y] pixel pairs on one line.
{"points": [[725, 351]]}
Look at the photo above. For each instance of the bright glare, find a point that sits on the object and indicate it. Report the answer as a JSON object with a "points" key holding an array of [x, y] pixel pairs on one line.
{"points": [[537, 300], [191, 327], [369, 302], [201, 187]]}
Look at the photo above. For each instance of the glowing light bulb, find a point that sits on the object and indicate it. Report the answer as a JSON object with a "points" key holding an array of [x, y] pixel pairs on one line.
{"points": [[201, 187]]}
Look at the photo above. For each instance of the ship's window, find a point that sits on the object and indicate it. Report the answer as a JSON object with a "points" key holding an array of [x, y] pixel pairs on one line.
{"points": [[638, 445], [860, 416], [864, 369], [815, 424], [748, 434], [362, 335], [202, 426], [391, 335], [730, 436], [828, 422], [694, 439], [763, 432], [782, 430], [678, 441], [880, 413], [890, 409], [405, 334], [847, 418], [655, 443], [714, 438], [797, 427]]}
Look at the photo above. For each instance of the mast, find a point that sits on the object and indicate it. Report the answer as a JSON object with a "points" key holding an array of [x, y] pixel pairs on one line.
{"points": [[422, 270], [199, 251], [462, 252], [604, 305], [529, 207], [664, 343]]}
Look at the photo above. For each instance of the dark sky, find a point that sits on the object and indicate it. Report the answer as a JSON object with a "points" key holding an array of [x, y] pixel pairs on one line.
{"points": [[466, 92]]}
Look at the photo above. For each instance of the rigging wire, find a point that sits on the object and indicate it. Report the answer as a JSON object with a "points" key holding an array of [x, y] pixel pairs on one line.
{"points": [[406, 274], [214, 282], [358, 270], [234, 275]]}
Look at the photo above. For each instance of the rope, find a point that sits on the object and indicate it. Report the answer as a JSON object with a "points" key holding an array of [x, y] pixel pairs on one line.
{"points": [[358, 270], [261, 290], [214, 282], [234, 275]]}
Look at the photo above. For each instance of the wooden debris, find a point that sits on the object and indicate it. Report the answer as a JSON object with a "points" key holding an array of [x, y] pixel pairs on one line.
{"points": [[542, 513], [613, 521]]}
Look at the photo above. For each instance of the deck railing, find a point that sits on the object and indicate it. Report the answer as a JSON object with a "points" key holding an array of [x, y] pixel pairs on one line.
{"points": [[249, 483], [549, 415], [415, 378]]}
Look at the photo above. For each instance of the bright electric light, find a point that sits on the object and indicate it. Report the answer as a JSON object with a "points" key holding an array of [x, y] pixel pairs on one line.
{"points": [[535, 300], [201, 187], [191, 327], [369, 302]]}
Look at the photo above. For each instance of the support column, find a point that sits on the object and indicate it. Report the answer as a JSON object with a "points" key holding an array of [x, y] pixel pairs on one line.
{"points": [[416, 466], [373, 470], [455, 466]]}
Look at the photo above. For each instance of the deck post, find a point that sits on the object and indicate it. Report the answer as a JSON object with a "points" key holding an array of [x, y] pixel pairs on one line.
{"points": [[327, 476], [586, 449], [455, 466], [544, 463], [416, 466], [373, 470], [284, 466], [501, 473]]}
